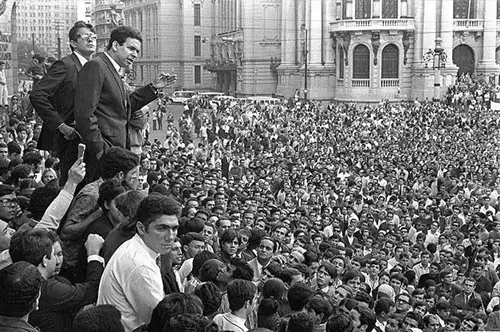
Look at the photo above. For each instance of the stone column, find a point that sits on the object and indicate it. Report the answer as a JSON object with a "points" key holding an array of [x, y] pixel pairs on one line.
{"points": [[376, 12], [300, 20], [329, 52], [288, 33], [425, 17], [487, 66], [315, 32]]}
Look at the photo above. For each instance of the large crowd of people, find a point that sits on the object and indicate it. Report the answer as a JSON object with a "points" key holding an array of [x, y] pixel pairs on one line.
{"points": [[299, 216]]}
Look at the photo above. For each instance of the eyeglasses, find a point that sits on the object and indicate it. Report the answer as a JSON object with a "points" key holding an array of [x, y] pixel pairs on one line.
{"points": [[9, 202], [88, 37]]}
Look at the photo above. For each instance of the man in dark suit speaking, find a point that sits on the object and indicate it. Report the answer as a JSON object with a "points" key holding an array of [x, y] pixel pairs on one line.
{"points": [[103, 107], [54, 96]]}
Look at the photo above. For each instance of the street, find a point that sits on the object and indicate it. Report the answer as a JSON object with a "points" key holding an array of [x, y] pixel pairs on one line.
{"points": [[176, 109]]}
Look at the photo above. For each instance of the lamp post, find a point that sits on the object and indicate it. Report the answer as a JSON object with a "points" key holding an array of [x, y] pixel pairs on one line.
{"points": [[438, 57], [305, 52]]}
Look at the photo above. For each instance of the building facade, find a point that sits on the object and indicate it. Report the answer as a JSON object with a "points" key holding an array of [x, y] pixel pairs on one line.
{"points": [[176, 36], [382, 49], [106, 15], [246, 46], [46, 24]]}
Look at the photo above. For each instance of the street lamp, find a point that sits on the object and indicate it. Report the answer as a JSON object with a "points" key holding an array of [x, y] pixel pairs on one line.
{"points": [[438, 57], [305, 51]]}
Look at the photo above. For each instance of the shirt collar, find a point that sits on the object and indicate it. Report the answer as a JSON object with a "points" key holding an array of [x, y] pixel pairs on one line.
{"points": [[81, 58], [154, 255], [114, 63]]}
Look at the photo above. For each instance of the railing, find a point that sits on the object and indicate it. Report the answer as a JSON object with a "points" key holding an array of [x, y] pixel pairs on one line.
{"points": [[360, 83], [389, 82], [386, 24], [468, 25]]}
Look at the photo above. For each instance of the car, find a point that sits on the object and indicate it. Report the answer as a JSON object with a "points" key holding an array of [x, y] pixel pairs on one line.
{"points": [[208, 95], [265, 100], [182, 97], [219, 99]]}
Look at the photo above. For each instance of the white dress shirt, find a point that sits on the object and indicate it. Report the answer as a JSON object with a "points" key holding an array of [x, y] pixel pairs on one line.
{"points": [[132, 283]]}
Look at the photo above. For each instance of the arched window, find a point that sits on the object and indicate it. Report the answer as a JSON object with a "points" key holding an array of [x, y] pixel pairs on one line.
{"points": [[341, 62], [361, 62], [390, 61], [464, 9]]}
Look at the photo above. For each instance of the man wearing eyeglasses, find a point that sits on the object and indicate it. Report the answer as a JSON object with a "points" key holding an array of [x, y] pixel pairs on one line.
{"points": [[105, 109], [53, 98]]}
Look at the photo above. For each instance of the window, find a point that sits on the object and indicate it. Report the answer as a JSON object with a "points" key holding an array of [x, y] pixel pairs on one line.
{"points": [[197, 14], [464, 9], [390, 8], [361, 62], [341, 62], [363, 9], [197, 74], [197, 45], [390, 61]]}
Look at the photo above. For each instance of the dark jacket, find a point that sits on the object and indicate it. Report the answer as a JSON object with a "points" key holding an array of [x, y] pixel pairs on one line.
{"points": [[60, 300]]}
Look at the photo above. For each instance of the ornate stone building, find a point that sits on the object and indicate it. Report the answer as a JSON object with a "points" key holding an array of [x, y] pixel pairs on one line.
{"points": [[176, 35], [374, 49], [245, 46]]}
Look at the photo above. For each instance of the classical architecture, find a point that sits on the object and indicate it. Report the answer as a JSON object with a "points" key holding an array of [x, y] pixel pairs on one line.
{"points": [[176, 37], [385, 49]]}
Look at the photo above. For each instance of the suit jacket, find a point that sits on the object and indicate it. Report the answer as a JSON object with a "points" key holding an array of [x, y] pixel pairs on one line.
{"points": [[103, 107], [53, 99], [60, 301]]}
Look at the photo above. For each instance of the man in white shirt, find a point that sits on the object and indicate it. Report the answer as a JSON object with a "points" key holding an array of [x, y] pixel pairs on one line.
{"points": [[132, 280], [383, 308]]}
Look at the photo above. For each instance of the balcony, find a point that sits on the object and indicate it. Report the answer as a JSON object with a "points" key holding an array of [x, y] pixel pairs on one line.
{"points": [[360, 83], [373, 24], [468, 25], [389, 83]]}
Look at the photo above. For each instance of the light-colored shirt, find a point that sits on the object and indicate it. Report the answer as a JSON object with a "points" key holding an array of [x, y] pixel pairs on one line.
{"points": [[81, 58], [230, 322], [132, 283], [185, 270]]}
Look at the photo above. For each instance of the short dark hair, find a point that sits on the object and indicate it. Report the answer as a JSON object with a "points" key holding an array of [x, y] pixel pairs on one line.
{"points": [[210, 295], [240, 291], [121, 34], [320, 306], [298, 295], [300, 322], [13, 147], [32, 158], [109, 190], [31, 245], [154, 206], [242, 269], [117, 160], [383, 304], [101, 318], [366, 317], [19, 288], [172, 305], [229, 235], [340, 322], [187, 238]]}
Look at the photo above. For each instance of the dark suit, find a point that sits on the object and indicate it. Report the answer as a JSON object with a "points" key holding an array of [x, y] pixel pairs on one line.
{"points": [[53, 99], [104, 109], [60, 300]]}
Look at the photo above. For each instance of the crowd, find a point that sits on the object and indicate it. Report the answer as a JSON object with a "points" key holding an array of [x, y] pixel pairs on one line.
{"points": [[302, 216]]}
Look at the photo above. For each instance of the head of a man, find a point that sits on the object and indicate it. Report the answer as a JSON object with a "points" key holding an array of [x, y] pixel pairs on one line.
{"points": [[20, 289], [192, 244], [124, 45], [157, 222], [82, 38], [121, 164], [35, 247]]}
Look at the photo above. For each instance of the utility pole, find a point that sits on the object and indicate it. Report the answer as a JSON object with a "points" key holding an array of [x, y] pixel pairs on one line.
{"points": [[306, 73], [58, 36], [33, 42]]}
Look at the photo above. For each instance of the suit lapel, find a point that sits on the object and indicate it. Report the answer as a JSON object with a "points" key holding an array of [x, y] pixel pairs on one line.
{"points": [[75, 59], [117, 78]]}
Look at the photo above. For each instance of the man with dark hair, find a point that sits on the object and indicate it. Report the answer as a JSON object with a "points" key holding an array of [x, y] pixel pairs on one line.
{"points": [[101, 318], [104, 109], [37, 70], [298, 296], [242, 300], [19, 290], [363, 319], [192, 244], [265, 251], [300, 322], [320, 310], [383, 308], [132, 280], [54, 96], [59, 299], [117, 163]]}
